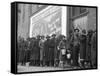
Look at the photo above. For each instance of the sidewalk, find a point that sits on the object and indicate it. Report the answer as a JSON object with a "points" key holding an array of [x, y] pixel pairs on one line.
{"points": [[38, 68]]}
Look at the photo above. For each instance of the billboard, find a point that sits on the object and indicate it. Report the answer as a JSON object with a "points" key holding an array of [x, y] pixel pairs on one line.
{"points": [[46, 22], [49, 21]]}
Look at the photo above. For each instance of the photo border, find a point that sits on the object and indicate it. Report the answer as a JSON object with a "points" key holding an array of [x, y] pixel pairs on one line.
{"points": [[14, 29]]}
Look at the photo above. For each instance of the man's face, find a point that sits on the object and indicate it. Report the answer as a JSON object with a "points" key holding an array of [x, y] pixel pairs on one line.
{"points": [[53, 36], [76, 32]]}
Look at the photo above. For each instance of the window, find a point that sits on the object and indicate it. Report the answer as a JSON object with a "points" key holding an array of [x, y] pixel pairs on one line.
{"points": [[76, 11]]}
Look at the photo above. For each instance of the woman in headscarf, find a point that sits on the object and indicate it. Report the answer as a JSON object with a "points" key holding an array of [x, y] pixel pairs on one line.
{"points": [[62, 56]]}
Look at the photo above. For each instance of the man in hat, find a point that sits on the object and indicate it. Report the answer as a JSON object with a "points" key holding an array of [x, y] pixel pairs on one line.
{"points": [[76, 45], [52, 49], [37, 50]]}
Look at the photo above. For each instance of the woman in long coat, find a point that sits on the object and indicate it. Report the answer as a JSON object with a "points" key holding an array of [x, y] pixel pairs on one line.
{"points": [[82, 48]]}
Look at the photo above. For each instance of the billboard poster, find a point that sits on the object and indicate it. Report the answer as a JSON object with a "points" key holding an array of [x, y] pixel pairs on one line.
{"points": [[47, 22]]}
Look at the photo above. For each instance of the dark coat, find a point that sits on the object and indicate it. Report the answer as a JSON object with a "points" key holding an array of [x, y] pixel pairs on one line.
{"points": [[52, 45], [46, 50], [93, 48], [75, 51], [27, 51], [75, 43], [32, 51], [82, 46], [18, 52], [35, 50], [21, 52], [88, 48], [57, 51]]}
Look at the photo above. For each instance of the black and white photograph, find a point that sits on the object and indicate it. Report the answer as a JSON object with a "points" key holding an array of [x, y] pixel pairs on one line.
{"points": [[55, 37]]}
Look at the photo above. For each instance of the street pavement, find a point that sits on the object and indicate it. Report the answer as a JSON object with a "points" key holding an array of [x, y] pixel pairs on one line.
{"points": [[38, 68]]}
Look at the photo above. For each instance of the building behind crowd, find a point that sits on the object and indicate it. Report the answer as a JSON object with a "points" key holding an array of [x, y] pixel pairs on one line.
{"points": [[25, 11], [83, 18], [36, 19]]}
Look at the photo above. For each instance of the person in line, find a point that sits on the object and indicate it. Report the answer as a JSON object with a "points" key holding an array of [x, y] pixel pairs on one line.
{"points": [[32, 52], [23, 52], [41, 45], [76, 47], [94, 50], [46, 56], [57, 51], [62, 47], [37, 50], [88, 49], [82, 51], [52, 46]]}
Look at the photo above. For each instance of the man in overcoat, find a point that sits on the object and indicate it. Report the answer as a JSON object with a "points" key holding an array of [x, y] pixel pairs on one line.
{"points": [[37, 50], [76, 46], [46, 56], [52, 46], [32, 52]]}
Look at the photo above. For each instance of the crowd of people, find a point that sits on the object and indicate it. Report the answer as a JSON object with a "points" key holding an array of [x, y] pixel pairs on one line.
{"points": [[77, 50]]}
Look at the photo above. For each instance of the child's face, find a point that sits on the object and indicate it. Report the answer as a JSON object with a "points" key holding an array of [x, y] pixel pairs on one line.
{"points": [[68, 50]]}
